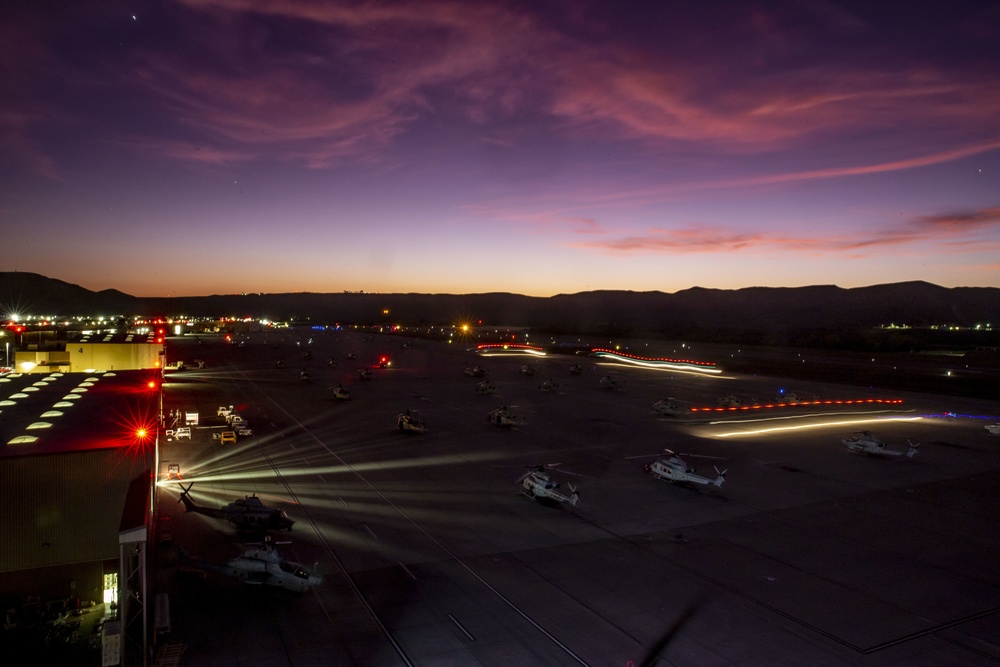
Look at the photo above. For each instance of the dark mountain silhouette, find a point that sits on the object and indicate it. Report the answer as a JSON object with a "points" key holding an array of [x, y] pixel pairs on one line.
{"points": [[754, 314]]}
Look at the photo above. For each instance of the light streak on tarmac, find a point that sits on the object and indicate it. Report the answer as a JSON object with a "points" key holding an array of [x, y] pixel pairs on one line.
{"points": [[803, 427], [803, 416], [662, 364]]}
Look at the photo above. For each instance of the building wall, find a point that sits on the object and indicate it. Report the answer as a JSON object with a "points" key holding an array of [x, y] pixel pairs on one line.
{"points": [[83, 357]]}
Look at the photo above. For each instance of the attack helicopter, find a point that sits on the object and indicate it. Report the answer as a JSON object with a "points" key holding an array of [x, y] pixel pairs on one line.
{"points": [[262, 565], [675, 469], [504, 417], [867, 443], [247, 513], [410, 421], [537, 484]]}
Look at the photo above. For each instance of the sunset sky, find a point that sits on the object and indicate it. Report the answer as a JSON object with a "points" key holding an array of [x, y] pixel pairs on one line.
{"points": [[218, 146]]}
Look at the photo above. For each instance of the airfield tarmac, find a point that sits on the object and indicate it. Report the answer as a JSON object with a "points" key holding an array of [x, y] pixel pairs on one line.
{"points": [[808, 554]]}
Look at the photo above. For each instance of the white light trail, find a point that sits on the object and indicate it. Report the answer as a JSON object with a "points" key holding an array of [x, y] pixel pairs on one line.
{"points": [[802, 427]]}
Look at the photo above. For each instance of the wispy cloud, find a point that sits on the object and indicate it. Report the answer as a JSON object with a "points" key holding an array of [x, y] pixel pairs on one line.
{"points": [[954, 231]]}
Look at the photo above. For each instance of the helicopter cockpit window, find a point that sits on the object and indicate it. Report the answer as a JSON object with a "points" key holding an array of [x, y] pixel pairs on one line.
{"points": [[301, 573]]}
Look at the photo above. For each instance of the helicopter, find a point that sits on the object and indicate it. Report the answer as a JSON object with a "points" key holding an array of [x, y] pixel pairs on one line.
{"points": [[365, 374], [669, 407], [527, 370], [549, 385], [475, 371], [504, 417], [410, 421], [537, 484], [575, 369], [784, 396], [341, 394], [993, 429], [867, 443], [675, 469], [261, 564], [247, 513], [486, 387], [729, 401], [304, 375], [608, 382]]}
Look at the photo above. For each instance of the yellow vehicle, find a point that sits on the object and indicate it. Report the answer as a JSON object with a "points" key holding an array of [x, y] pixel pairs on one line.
{"points": [[227, 437]]}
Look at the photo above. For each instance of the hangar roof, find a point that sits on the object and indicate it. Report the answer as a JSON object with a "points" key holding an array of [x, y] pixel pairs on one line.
{"points": [[60, 412], [68, 455]]}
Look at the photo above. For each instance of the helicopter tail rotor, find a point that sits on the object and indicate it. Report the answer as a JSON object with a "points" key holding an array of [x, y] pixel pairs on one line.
{"points": [[184, 493], [721, 476], [913, 449]]}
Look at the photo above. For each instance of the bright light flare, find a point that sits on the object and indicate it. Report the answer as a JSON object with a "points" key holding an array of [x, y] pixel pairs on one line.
{"points": [[659, 363], [509, 349], [804, 427]]}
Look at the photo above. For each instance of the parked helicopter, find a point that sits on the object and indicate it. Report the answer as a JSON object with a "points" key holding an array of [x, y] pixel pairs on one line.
{"points": [[365, 374], [527, 370], [575, 369], [670, 407], [675, 469], [537, 484], [729, 401], [504, 417], [609, 382], [549, 385], [410, 421], [341, 394], [261, 564], [486, 387], [867, 443], [247, 513], [993, 429], [475, 371]]}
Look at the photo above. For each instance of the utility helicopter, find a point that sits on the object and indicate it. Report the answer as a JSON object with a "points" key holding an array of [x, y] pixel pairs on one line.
{"points": [[549, 385], [262, 565], [486, 387], [247, 513], [537, 484], [475, 371], [504, 417], [365, 374], [867, 443], [993, 429], [410, 421], [527, 370], [729, 401], [341, 394], [575, 369], [670, 407], [673, 468]]}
